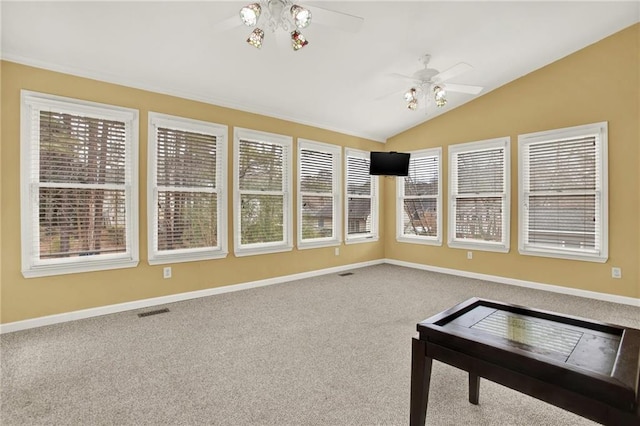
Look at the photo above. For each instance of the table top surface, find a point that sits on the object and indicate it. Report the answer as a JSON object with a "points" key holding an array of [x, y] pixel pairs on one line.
{"points": [[580, 346]]}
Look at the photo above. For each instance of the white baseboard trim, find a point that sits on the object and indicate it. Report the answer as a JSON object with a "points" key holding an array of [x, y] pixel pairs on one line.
{"points": [[145, 303], [521, 283]]}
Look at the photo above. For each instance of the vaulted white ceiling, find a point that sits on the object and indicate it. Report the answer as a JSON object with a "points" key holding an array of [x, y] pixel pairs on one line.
{"points": [[341, 81]]}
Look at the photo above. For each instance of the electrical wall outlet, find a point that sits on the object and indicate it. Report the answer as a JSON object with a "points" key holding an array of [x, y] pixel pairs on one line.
{"points": [[166, 272], [337, 251], [616, 272], [469, 255]]}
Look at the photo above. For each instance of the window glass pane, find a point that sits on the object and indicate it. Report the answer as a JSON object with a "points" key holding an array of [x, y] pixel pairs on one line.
{"points": [[316, 171], [359, 216], [317, 217], [563, 221], [81, 222], [186, 159], [261, 166], [420, 217], [423, 176], [479, 219], [562, 166], [76, 149], [358, 178], [187, 220], [480, 171], [261, 218]]}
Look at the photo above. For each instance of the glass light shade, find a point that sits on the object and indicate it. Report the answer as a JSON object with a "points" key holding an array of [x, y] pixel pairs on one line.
{"points": [[256, 37], [297, 40], [410, 95], [413, 105], [301, 16], [250, 14], [440, 96]]}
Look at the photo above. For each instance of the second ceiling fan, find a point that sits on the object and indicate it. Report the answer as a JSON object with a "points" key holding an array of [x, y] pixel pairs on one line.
{"points": [[429, 83]]}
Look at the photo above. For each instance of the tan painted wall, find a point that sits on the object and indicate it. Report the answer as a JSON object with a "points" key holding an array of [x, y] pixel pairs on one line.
{"points": [[30, 298], [598, 83]]}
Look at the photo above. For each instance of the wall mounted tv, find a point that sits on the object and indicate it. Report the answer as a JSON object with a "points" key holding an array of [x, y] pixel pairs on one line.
{"points": [[389, 163]]}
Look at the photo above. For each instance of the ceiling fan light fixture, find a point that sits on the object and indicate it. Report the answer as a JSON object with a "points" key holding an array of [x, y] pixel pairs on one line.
{"points": [[301, 16], [250, 14], [440, 96], [255, 38], [298, 41], [410, 95]]}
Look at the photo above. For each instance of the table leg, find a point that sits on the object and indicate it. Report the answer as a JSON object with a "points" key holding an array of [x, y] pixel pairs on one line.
{"points": [[420, 379], [474, 388]]}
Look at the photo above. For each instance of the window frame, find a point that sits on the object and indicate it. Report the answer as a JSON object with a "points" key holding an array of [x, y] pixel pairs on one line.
{"points": [[336, 152], [270, 247], [155, 256], [400, 197], [30, 104], [483, 145], [600, 131], [373, 235]]}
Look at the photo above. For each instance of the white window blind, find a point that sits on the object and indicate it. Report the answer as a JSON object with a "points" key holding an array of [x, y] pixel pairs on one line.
{"points": [[419, 199], [563, 193], [186, 181], [362, 198], [318, 194], [479, 195], [78, 186], [263, 192]]}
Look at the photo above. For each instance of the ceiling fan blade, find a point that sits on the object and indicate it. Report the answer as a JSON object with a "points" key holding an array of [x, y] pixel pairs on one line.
{"points": [[335, 19], [463, 88], [404, 77], [451, 72]]}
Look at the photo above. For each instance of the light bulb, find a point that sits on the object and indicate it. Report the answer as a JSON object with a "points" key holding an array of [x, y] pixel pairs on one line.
{"points": [[250, 14]]}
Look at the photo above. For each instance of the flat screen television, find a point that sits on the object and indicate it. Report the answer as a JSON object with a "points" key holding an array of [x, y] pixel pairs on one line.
{"points": [[389, 163]]}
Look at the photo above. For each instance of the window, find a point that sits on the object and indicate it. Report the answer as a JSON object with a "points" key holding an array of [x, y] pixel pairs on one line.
{"points": [[479, 195], [262, 183], [419, 202], [362, 198], [186, 201], [563, 193], [78, 185], [318, 194]]}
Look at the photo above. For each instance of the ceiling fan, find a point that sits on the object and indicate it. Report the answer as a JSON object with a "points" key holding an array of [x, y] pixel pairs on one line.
{"points": [[290, 17], [429, 83]]}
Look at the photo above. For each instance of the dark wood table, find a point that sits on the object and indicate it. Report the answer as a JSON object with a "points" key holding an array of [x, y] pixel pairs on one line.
{"points": [[589, 368]]}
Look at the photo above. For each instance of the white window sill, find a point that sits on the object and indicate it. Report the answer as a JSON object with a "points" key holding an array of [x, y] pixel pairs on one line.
{"points": [[358, 240], [161, 259], [241, 252], [420, 240], [498, 248], [564, 255], [318, 244], [49, 270]]}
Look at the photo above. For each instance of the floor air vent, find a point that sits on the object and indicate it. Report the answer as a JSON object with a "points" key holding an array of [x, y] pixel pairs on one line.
{"points": [[156, 312], [345, 274]]}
